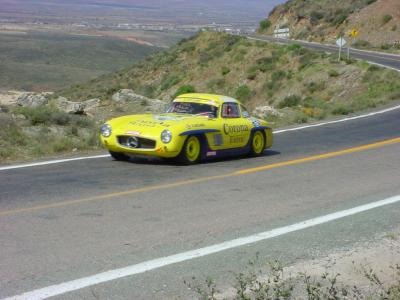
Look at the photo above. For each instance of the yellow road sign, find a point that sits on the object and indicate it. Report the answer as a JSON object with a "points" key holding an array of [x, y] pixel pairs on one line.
{"points": [[353, 33]]}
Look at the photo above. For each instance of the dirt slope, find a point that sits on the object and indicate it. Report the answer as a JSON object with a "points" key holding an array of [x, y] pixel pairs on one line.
{"points": [[378, 21]]}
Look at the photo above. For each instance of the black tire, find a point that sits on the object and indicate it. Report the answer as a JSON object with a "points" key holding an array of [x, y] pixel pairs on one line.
{"points": [[258, 142], [185, 156], [119, 156]]}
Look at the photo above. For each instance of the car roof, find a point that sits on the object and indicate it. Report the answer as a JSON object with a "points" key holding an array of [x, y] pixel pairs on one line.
{"points": [[199, 97]]}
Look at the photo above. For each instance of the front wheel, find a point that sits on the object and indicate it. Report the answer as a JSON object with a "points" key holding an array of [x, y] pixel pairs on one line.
{"points": [[119, 156], [257, 144], [191, 151]]}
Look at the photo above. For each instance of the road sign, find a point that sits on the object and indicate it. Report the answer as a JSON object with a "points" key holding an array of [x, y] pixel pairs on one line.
{"points": [[340, 42], [281, 30], [282, 33], [353, 33]]}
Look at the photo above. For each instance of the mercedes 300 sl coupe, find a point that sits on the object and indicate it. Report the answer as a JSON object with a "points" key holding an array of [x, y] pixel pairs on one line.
{"points": [[196, 127]]}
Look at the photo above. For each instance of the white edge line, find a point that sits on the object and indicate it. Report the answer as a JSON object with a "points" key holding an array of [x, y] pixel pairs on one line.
{"points": [[340, 120], [139, 268], [58, 161], [383, 66], [51, 162]]}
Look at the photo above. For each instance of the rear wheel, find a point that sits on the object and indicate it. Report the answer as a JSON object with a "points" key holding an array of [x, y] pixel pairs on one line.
{"points": [[119, 156], [191, 151], [257, 144]]}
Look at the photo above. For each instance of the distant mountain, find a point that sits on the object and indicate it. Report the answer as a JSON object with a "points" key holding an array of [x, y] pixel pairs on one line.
{"points": [[377, 21]]}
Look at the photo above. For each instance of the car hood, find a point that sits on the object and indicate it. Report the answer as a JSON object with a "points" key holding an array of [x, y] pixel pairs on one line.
{"points": [[154, 124]]}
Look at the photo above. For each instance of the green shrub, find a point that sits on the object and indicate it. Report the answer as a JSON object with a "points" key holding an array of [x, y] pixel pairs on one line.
{"points": [[265, 25], [386, 19], [315, 16], [62, 144], [265, 64], [333, 73], [225, 70], [373, 68], [340, 19], [313, 87], [278, 75], [300, 118], [243, 93], [169, 81], [342, 110], [252, 72], [184, 89], [272, 87], [229, 41], [82, 121], [37, 115], [14, 136], [294, 47], [60, 118], [290, 101], [312, 102]]}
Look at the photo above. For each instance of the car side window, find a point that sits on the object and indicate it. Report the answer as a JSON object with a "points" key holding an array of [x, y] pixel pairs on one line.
{"points": [[230, 110]]}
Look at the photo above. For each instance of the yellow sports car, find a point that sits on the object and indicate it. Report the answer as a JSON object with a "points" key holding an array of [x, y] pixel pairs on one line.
{"points": [[195, 127]]}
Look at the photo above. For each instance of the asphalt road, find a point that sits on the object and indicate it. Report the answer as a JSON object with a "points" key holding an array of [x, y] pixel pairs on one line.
{"points": [[385, 59], [67, 221]]}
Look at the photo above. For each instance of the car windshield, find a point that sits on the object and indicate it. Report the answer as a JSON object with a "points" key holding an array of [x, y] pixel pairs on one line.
{"points": [[193, 109]]}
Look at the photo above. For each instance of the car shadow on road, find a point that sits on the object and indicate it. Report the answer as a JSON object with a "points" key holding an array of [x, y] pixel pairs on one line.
{"points": [[171, 163]]}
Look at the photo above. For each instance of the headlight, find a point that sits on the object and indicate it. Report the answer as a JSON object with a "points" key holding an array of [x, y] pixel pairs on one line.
{"points": [[166, 136], [105, 130]]}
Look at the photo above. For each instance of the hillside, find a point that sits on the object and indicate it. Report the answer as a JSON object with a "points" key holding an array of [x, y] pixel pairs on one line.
{"points": [[45, 60], [293, 82], [283, 84], [378, 21]]}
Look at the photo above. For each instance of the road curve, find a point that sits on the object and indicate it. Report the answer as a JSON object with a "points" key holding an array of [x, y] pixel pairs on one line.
{"points": [[68, 221], [385, 59]]}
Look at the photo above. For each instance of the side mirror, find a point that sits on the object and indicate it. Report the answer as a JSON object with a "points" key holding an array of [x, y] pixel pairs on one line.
{"points": [[245, 114]]}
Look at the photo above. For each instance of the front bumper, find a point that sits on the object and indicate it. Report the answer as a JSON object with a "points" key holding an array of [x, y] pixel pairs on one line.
{"points": [[157, 149]]}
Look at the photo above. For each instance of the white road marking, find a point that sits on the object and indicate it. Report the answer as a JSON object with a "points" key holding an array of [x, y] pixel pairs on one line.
{"points": [[146, 266], [58, 161], [340, 120], [383, 66], [51, 162]]}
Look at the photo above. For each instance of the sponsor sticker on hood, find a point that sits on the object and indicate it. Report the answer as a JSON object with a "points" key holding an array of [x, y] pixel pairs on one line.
{"points": [[130, 132], [164, 118]]}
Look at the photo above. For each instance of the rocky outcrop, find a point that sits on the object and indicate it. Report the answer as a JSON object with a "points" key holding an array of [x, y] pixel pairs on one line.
{"points": [[71, 107], [126, 95], [157, 106], [32, 99], [263, 111], [129, 96]]}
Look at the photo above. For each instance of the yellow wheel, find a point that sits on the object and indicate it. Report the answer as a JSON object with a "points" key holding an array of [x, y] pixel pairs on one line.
{"points": [[191, 151], [257, 144]]}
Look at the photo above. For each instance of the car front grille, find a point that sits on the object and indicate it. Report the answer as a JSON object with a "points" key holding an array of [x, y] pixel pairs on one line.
{"points": [[136, 142]]}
